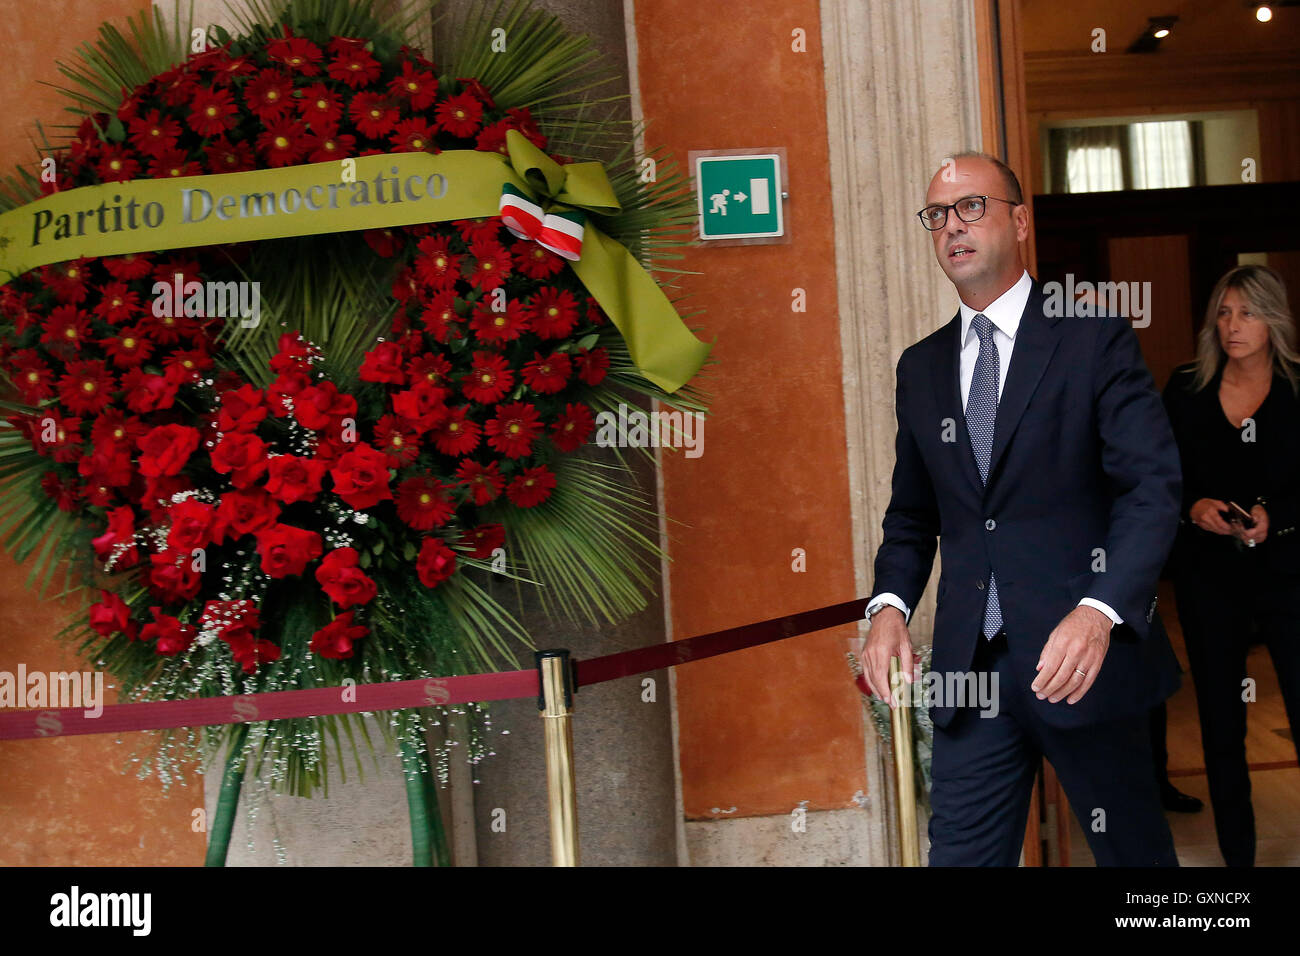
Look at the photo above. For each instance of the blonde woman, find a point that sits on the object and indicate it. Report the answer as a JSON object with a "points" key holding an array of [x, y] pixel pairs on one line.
{"points": [[1236, 563]]}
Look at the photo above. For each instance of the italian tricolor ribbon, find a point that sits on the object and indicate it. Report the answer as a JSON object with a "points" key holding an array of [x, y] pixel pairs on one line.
{"points": [[560, 232]]}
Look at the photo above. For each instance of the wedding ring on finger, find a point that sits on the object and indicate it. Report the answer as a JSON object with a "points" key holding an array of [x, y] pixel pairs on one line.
{"points": [[1081, 673]]}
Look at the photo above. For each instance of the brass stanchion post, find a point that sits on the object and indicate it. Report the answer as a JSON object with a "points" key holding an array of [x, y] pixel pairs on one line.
{"points": [[555, 677], [909, 844]]}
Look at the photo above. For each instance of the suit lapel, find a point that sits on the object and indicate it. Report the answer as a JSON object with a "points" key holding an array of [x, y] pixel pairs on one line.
{"points": [[1036, 342], [948, 396]]}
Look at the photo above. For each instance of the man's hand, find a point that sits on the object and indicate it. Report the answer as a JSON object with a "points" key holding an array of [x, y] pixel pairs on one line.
{"points": [[887, 638], [1072, 655], [1207, 513]]}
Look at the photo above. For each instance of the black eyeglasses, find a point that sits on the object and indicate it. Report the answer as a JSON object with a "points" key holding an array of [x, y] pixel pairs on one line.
{"points": [[969, 209]]}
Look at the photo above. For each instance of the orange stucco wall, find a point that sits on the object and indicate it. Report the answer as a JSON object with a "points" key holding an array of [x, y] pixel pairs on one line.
{"points": [[69, 802], [765, 729]]}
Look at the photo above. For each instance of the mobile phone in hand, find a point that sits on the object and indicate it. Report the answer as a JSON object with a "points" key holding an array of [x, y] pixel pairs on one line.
{"points": [[1236, 514]]}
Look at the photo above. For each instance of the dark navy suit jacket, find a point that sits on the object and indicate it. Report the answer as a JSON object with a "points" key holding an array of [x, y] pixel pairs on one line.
{"points": [[1083, 459]]}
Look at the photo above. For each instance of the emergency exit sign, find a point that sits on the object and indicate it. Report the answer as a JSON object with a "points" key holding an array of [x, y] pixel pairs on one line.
{"points": [[739, 196]]}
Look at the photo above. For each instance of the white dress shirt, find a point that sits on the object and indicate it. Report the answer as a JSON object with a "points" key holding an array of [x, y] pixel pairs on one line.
{"points": [[1004, 313]]}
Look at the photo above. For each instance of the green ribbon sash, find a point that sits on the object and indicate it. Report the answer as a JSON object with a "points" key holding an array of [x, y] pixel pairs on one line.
{"points": [[368, 192]]}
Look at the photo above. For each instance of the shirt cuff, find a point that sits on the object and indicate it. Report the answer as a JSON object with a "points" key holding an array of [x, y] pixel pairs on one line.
{"points": [[1104, 608], [893, 600]]}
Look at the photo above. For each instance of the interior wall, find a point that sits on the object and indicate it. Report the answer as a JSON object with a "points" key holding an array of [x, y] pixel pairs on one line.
{"points": [[70, 801]]}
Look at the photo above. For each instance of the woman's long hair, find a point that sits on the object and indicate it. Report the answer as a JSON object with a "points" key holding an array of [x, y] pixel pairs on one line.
{"points": [[1265, 292]]}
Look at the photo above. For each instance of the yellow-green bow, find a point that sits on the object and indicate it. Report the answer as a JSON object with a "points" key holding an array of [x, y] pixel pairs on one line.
{"points": [[663, 348]]}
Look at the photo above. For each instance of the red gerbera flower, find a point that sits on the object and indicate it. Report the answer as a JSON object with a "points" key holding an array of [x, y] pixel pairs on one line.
{"points": [[283, 142], [430, 367], [532, 487], [483, 481], [154, 134], [385, 242], [114, 428], [33, 377], [66, 327], [172, 163], [353, 65], [226, 68], [535, 261], [457, 435], [127, 350], [224, 156], [592, 366], [491, 265], [492, 139], [419, 87], [297, 53], [514, 429], [485, 539], [87, 387], [479, 230], [117, 303], [572, 427], [552, 313], [492, 326], [489, 378], [320, 107], [212, 112], [132, 265], [398, 440], [269, 95], [475, 88], [186, 367], [117, 165], [435, 265], [326, 148], [374, 114], [440, 316], [547, 375], [413, 136], [67, 279], [424, 502], [460, 115]]}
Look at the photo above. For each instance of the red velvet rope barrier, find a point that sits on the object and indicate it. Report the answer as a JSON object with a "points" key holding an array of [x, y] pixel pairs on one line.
{"points": [[399, 695]]}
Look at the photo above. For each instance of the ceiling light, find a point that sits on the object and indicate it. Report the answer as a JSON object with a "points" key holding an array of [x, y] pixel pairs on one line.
{"points": [[1263, 14]]}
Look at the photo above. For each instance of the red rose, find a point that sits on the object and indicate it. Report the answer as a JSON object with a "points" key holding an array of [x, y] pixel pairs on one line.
{"points": [[242, 456], [242, 409], [120, 535], [361, 478], [336, 638], [294, 479], [383, 363], [345, 583], [436, 563], [172, 636], [191, 525], [285, 550], [173, 577], [229, 616], [249, 651], [424, 405], [148, 393], [111, 616], [243, 512], [165, 450], [318, 405]]}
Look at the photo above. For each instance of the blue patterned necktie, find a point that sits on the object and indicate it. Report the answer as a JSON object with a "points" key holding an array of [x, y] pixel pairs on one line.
{"points": [[981, 411]]}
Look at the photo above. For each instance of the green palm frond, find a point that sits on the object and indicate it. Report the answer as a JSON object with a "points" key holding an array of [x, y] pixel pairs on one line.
{"points": [[588, 542]]}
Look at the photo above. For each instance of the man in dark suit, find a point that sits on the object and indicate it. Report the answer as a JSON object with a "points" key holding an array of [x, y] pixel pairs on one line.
{"points": [[1035, 448]]}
